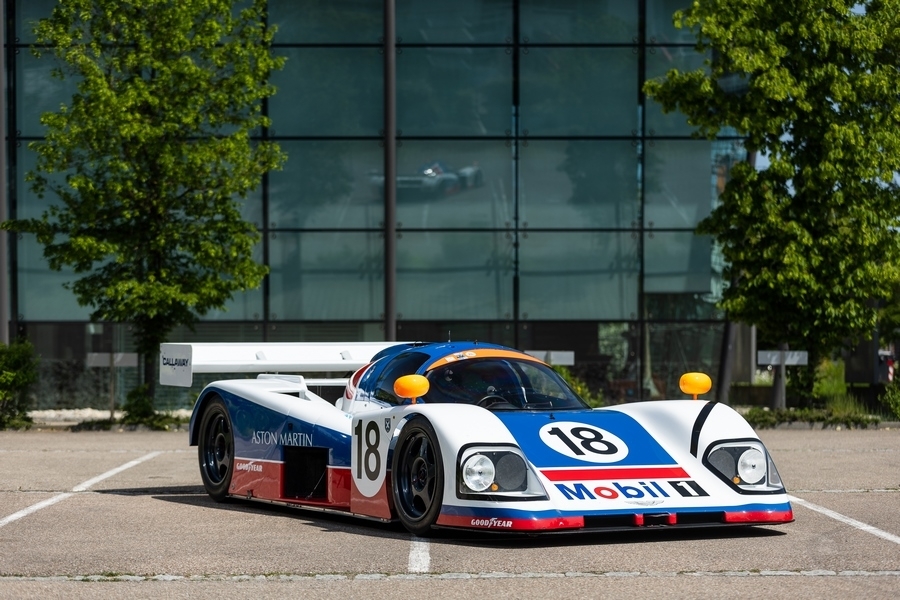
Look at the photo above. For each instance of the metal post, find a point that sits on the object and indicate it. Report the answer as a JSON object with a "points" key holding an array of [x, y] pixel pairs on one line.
{"points": [[4, 238], [390, 172]]}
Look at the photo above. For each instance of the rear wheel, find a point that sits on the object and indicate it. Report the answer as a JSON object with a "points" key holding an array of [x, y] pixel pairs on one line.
{"points": [[417, 476], [216, 449]]}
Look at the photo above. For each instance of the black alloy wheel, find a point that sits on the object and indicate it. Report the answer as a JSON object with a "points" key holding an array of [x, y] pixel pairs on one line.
{"points": [[216, 449], [417, 476]]}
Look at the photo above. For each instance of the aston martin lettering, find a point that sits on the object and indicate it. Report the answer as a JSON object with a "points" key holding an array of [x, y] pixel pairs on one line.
{"points": [[642, 489], [583, 442], [492, 522], [289, 438]]}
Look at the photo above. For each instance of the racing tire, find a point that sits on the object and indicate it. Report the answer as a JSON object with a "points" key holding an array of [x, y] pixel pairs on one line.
{"points": [[215, 449], [417, 477]]}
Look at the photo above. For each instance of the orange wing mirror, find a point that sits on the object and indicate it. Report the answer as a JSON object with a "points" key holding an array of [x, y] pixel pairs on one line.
{"points": [[411, 386], [694, 384]]}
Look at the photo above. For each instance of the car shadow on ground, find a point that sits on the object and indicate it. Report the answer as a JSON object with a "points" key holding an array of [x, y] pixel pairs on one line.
{"points": [[195, 495]]}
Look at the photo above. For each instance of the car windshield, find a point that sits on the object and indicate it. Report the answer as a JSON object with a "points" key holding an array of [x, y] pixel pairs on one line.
{"points": [[501, 384]]}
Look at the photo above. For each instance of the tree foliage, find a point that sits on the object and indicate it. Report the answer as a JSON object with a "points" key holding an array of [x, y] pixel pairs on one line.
{"points": [[813, 85], [18, 370], [152, 156]]}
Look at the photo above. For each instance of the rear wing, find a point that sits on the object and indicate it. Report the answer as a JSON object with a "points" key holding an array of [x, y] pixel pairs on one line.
{"points": [[179, 362]]}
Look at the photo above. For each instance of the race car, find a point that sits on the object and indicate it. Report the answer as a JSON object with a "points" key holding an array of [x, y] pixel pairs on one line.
{"points": [[433, 179], [466, 435]]}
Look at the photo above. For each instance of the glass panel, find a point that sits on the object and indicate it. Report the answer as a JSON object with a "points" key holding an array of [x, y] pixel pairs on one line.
{"points": [[659, 62], [660, 29], [579, 184], [682, 180], [42, 296], [38, 92], [575, 275], [452, 184], [318, 21], [679, 183], [576, 21], [579, 91], [619, 360], [328, 91], [682, 276], [326, 276], [454, 21], [28, 13], [675, 349], [327, 184], [454, 275], [454, 91], [243, 306]]}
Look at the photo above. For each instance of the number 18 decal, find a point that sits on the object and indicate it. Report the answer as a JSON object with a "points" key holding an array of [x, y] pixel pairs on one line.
{"points": [[583, 442], [368, 454]]}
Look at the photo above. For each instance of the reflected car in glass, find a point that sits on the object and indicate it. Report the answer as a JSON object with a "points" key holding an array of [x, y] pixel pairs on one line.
{"points": [[433, 179]]}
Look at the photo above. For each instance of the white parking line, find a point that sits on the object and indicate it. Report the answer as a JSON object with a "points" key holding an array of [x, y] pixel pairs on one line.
{"points": [[419, 556], [847, 520], [81, 487]]}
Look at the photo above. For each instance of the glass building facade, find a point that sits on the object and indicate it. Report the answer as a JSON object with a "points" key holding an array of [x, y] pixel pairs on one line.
{"points": [[558, 213]]}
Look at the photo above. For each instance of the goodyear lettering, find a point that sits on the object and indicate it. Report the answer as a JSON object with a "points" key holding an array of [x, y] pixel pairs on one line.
{"points": [[175, 362], [290, 438], [642, 489], [492, 522], [249, 467]]}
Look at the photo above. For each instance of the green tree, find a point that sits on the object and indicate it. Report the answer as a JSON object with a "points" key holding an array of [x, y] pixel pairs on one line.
{"points": [[151, 158], [814, 86]]}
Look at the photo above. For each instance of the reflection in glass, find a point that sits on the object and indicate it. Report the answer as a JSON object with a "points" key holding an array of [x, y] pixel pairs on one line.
{"points": [[326, 184], [38, 91], [326, 21], [328, 91], [678, 348], [618, 363], [660, 28], [28, 13], [684, 179], [659, 62], [579, 184], [579, 91], [682, 276], [326, 276], [454, 91], [578, 275], [452, 184], [454, 275], [454, 21], [42, 296], [597, 21]]}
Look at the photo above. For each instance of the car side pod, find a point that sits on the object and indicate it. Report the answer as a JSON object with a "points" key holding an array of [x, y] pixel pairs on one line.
{"points": [[411, 386], [695, 384]]}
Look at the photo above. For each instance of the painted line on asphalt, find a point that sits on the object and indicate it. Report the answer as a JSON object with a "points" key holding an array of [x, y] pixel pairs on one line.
{"points": [[81, 487], [456, 575], [419, 555], [847, 520]]}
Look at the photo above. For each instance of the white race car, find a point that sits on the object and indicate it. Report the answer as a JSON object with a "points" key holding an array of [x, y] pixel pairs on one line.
{"points": [[466, 435], [434, 179]]}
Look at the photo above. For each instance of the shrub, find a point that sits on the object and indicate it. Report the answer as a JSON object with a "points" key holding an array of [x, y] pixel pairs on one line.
{"points": [[891, 398], [580, 387], [18, 370]]}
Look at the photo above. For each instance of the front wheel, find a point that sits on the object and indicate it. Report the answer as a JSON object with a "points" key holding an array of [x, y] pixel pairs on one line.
{"points": [[417, 477], [215, 449]]}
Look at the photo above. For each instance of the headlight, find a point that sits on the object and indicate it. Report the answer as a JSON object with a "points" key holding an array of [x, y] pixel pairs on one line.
{"points": [[487, 473], [478, 472], [745, 465]]}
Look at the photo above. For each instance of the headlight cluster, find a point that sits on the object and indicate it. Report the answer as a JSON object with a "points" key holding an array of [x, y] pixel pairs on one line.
{"points": [[485, 472], [746, 465]]}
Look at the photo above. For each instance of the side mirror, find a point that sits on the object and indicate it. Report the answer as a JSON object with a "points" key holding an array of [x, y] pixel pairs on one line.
{"points": [[695, 383], [411, 386]]}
